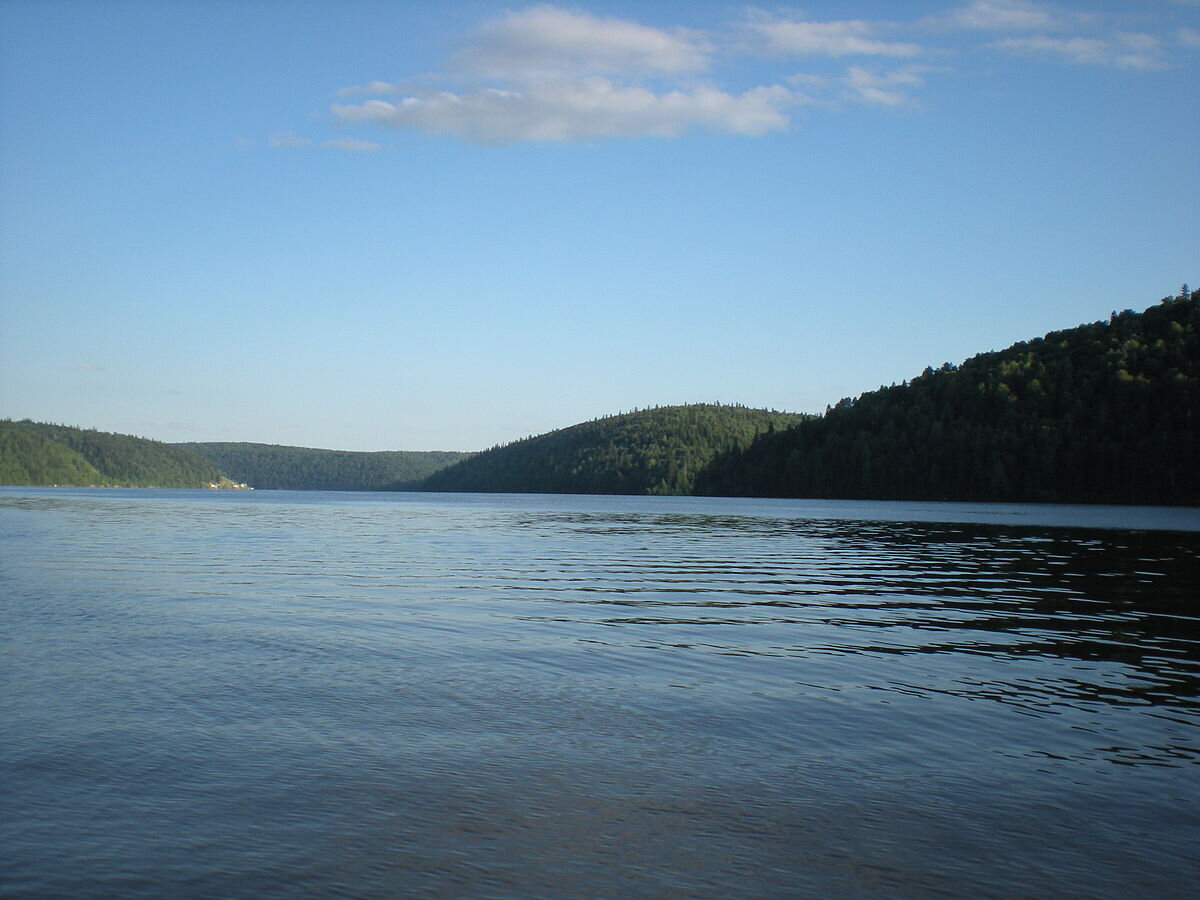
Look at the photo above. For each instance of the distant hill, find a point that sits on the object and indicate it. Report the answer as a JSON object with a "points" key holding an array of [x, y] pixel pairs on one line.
{"points": [[39, 453], [275, 467], [652, 451], [1108, 412]]}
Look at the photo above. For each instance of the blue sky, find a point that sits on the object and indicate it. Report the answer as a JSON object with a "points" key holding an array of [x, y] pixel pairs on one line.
{"points": [[418, 225]]}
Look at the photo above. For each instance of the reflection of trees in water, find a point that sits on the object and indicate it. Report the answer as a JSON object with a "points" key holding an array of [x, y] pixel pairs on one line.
{"points": [[1122, 604], [1127, 598]]}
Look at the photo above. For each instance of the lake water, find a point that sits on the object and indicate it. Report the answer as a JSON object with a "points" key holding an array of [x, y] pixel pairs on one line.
{"points": [[278, 694]]}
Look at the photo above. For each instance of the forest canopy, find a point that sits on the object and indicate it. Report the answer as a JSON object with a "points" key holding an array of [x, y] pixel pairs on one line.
{"points": [[41, 453], [652, 451], [1101, 413]]}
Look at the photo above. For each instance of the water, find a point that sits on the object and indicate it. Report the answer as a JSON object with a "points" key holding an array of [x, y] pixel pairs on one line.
{"points": [[281, 694]]}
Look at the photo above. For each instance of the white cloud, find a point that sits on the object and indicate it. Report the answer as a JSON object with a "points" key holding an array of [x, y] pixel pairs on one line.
{"points": [[587, 109], [883, 90], [1121, 51], [548, 42], [545, 73], [353, 145], [288, 139], [1002, 15], [565, 75], [845, 38]]}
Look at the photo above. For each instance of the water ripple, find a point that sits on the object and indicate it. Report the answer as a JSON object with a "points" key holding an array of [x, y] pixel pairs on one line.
{"points": [[365, 696]]}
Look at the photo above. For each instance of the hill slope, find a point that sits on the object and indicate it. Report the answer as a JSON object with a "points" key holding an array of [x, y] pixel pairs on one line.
{"points": [[1108, 412], [275, 467], [653, 451], [38, 453]]}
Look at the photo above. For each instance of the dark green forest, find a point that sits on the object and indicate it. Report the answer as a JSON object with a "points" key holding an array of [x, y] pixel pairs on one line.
{"points": [[1104, 413], [40, 453], [275, 467], [652, 451]]}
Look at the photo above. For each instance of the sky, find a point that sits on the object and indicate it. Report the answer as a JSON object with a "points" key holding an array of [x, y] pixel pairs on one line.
{"points": [[424, 225]]}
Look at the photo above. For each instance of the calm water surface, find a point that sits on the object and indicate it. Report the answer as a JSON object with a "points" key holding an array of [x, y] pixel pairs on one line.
{"points": [[365, 695]]}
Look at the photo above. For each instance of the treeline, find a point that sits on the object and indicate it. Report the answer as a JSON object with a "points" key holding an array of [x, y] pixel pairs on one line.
{"points": [[1108, 412], [1101, 413], [40, 453], [653, 451], [275, 467]]}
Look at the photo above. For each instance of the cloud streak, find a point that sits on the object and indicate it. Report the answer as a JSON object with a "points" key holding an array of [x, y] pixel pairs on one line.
{"points": [[888, 89], [846, 38], [587, 109], [288, 139], [1122, 51], [1002, 15], [352, 145]]}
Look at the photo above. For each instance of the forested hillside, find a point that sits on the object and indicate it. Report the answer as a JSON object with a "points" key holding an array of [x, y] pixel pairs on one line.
{"points": [[1108, 412], [653, 451], [275, 467], [39, 453]]}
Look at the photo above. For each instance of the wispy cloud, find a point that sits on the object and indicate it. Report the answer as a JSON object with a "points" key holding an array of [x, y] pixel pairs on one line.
{"points": [[291, 140], [375, 87], [352, 145], [1121, 51], [1001, 15], [288, 139], [1052, 33], [586, 109], [861, 85], [846, 38], [883, 89]]}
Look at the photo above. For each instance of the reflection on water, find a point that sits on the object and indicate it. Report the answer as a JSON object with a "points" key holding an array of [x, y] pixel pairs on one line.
{"points": [[351, 695], [868, 588]]}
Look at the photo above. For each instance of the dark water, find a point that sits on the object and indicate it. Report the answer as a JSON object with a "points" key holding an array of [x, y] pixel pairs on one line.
{"points": [[281, 695]]}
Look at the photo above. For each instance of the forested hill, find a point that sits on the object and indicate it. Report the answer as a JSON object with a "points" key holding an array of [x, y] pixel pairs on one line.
{"points": [[1108, 412], [653, 451], [270, 466], [38, 453]]}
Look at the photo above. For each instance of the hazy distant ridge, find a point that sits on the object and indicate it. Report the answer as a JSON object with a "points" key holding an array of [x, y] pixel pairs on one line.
{"points": [[277, 467]]}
